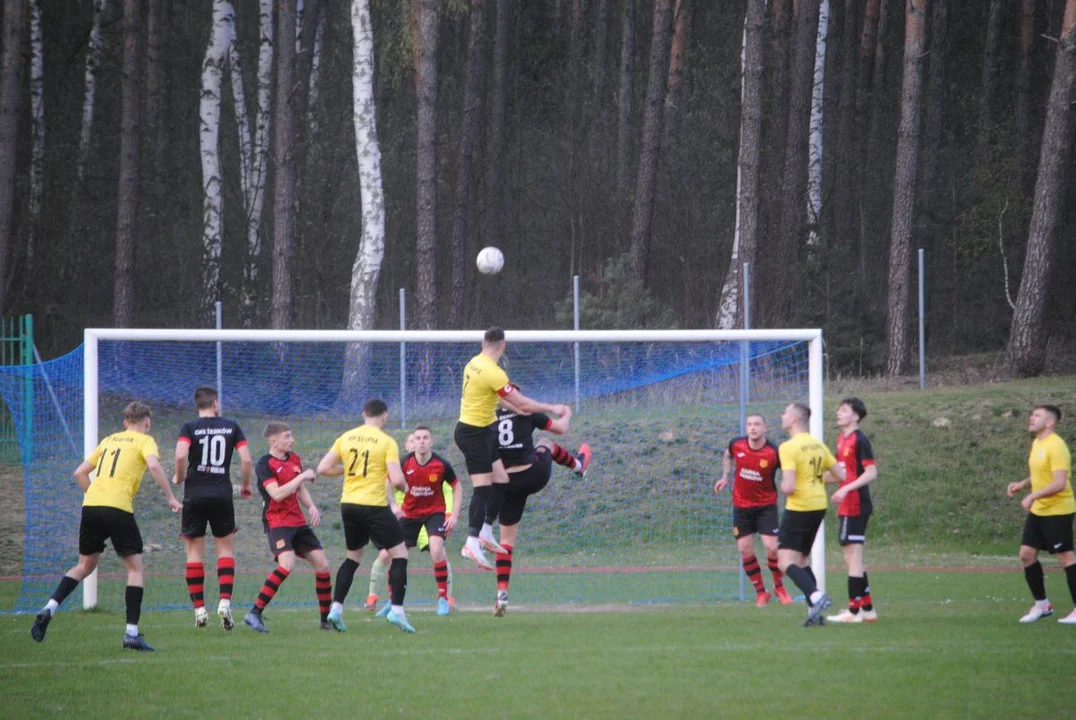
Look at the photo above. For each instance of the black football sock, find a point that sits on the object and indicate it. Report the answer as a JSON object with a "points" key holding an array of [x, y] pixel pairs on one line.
{"points": [[804, 579], [1036, 581], [1070, 575], [866, 603], [344, 576], [134, 603], [66, 587], [496, 501], [476, 514], [397, 580]]}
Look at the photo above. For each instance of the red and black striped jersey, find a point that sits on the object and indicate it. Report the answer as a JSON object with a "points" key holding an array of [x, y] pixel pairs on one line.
{"points": [[279, 513], [754, 484], [425, 495], [854, 450]]}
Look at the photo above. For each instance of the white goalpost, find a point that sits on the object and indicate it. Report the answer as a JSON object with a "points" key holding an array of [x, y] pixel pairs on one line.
{"points": [[567, 350]]}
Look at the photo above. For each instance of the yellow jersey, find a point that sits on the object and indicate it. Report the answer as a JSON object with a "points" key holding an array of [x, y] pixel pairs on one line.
{"points": [[120, 462], [1047, 455], [366, 452], [483, 383], [809, 459]]}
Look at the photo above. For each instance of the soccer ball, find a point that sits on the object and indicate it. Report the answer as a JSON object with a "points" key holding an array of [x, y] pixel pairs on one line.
{"points": [[490, 261]]}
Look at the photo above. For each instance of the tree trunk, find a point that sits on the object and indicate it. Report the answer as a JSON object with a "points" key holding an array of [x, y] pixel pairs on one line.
{"points": [[220, 38], [37, 118], [625, 99], [878, 88], [1026, 354], [284, 166], [861, 159], [938, 29], [794, 178], [130, 139], [313, 114], [496, 157], [472, 113], [10, 100], [991, 63], [1024, 89], [154, 37], [601, 41], [426, 152], [366, 270], [843, 182], [678, 56], [745, 242], [646, 184], [815, 129], [898, 295], [93, 64]]}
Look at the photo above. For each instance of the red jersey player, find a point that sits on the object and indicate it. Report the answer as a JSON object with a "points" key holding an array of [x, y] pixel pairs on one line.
{"points": [[754, 504]]}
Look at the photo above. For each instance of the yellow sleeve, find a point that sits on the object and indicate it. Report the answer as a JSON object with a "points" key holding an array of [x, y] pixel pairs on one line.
{"points": [[337, 447], [392, 452], [149, 447], [788, 457], [497, 378], [95, 455], [1060, 457], [830, 461]]}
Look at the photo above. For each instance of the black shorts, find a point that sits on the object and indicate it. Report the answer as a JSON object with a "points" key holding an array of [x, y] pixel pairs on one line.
{"points": [[479, 447], [219, 513], [798, 529], [301, 540], [523, 484], [370, 523], [104, 523], [1052, 533], [750, 520], [852, 529], [411, 527]]}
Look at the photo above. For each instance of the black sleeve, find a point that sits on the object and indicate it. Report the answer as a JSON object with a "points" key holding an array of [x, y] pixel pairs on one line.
{"points": [[541, 421], [863, 447], [732, 442], [263, 471], [186, 433], [450, 474], [238, 437]]}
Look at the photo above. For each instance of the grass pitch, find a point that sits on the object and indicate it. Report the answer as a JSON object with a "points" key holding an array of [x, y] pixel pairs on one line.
{"points": [[947, 645]]}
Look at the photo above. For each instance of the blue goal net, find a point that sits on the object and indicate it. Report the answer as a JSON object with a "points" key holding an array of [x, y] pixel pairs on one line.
{"points": [[643, 526]]}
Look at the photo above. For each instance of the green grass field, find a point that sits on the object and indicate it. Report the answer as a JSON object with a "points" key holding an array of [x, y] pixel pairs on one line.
{"points": [[947, 645]]}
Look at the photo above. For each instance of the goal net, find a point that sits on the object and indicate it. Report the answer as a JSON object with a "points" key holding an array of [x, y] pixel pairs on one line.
{"points": [[644, 526]]}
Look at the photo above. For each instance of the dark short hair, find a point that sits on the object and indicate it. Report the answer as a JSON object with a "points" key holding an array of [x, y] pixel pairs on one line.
{"points": [[136, 412], [204, 397], [1052, 409], [803, 411], [856, 406], [760, 416], [374, 408], [493, 335], [275, 427], [422, 427]]}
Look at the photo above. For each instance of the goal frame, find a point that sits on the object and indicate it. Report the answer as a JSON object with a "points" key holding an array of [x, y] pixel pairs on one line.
{"points": [[91, 337]]}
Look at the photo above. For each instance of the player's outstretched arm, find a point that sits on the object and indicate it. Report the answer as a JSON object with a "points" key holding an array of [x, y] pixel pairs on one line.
{"points": [[330, 465], [153, 463], [82, 474], [182, 450], [279, 492], [527, 406], [246, 471]]}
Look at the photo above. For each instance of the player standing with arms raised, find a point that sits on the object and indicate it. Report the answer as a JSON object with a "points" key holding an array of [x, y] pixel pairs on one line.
{"points": [[754, 504], [854, 508], [120, 462], [207, 498], [484, 385], [1050, 510], [371, 460], [804, 461]]}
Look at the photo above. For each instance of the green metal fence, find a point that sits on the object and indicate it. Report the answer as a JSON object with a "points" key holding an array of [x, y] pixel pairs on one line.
{"points": [[17, 348]]}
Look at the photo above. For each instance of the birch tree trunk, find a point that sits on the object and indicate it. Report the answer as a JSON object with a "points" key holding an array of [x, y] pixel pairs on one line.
{"points": [[426, 151], [745, 241], [10, 100], [284, 167], [472, 113], [93, 64], [898, 291], [367, 267], [646, 184], [814, 142], [37, 118], [1026, 355], [221, 35], [130, 139], [625, 99]]}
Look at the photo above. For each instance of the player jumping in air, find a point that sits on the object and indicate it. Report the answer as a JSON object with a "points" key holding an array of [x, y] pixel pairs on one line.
{"points": [[118, 464], [1050, 510], [371, 460], [754, 504], [529, 469], [282, 485], [484, 384], [854, 507], [209, 442], [804, 460]]}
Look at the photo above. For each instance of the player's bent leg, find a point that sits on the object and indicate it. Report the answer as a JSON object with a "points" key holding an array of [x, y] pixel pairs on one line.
{"points": [[86, 565], [378, 574]]}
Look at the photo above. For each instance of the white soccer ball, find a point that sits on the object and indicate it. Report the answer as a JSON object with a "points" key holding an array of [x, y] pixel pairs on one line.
{"points": [[490, 261]]}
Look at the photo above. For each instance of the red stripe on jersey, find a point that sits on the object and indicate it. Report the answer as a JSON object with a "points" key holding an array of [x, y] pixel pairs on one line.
{"points": [[506, 390], [184, 439], [753, 484], [855, 452], [241, 443]]}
